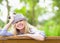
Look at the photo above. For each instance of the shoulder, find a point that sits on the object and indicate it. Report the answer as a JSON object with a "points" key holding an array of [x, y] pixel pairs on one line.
{"points": [[36, 31]]}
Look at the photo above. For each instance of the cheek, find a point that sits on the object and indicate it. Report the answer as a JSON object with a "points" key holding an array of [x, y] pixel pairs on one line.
{"points": [[20, 26]]}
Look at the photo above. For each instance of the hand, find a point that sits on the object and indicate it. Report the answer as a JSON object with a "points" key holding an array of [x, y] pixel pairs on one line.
{"points": [[11, 18]]}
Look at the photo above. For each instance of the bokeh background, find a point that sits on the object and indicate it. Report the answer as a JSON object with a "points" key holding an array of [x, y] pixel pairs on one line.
{"points": [[43, 14]]}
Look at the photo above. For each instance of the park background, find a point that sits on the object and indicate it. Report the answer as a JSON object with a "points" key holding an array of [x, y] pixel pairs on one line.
{"points": [[43, 14]]}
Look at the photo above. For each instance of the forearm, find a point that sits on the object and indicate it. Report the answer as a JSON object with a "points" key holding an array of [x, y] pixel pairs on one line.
{"points": [[10, 22], [8, 25], [36, 37]]}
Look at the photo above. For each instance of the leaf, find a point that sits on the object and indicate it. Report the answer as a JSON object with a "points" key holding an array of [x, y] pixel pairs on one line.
{"points": [[1, 23], [23, 10], [1, 1]]}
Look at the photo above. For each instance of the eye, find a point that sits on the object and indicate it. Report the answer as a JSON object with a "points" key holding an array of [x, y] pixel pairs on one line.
{"points": [[17, 21], [21, 20]]}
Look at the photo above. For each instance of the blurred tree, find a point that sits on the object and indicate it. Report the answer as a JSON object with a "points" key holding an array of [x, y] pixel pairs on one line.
{"points": [[57, 18], [1, 1], [1, 23], [31, 12], [8, 9], [51, 26]]}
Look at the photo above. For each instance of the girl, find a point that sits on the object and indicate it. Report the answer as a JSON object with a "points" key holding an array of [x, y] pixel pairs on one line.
{"points": [[22, 27]]}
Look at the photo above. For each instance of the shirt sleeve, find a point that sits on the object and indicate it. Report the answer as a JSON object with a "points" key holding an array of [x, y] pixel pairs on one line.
{"points": [[4, 32], [35, 31]]}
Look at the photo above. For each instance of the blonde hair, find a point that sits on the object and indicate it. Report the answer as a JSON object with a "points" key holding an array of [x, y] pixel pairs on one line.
{"points": [[27, 28]]}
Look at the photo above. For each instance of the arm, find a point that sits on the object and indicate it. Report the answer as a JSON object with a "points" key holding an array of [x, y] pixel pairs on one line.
{"points": [[8, 25], [36, 36], [4, 32]]}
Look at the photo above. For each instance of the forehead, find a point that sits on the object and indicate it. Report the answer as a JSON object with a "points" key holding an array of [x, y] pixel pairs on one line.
{"points": [[20, 21]]}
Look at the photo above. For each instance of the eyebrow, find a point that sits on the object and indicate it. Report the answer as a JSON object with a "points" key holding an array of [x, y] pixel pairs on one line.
{"points": [[19, 21]]}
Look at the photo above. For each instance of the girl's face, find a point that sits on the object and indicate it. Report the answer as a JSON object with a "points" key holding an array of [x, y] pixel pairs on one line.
{"points": [[20, 25]]}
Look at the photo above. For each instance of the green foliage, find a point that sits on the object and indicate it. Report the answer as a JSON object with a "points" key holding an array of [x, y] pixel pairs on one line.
{"points": [[51, 27], [1, 1], [1, 23], [23, 10], [32, 16]]}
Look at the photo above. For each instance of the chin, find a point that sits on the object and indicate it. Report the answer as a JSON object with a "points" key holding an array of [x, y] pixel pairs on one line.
{"points": [[20, 28]]}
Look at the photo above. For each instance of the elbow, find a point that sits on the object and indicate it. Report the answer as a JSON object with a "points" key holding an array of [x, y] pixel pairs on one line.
{"points": [[42, 38], [2, 33]]}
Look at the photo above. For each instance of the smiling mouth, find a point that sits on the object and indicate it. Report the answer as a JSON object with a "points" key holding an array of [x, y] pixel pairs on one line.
{"points": [[20, 25]]}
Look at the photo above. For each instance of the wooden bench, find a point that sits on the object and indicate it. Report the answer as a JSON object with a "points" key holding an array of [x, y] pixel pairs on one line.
{"points": [[25, 39]]}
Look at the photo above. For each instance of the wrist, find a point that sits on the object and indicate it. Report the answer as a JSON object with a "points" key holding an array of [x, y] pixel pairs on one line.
{"points": [[10, 22]]}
